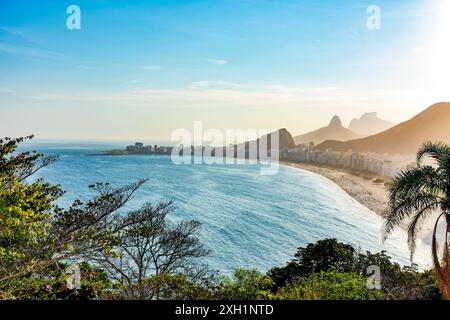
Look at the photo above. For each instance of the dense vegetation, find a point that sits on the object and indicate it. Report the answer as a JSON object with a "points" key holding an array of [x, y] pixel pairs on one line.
{"points": [[39, 240], [139, 254]]}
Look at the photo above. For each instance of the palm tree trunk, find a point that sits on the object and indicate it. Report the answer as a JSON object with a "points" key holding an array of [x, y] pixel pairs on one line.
{"points": [[446, 258], [442, 266]]}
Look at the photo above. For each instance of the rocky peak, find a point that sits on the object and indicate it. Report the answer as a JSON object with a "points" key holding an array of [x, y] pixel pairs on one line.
{"points": [[370, 115], [335, 122]]}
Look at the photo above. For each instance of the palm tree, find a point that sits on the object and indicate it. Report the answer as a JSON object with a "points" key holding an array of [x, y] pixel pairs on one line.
{"points": [[416, 194]]}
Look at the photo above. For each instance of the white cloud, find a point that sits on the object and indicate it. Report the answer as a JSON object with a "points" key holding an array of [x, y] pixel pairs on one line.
{"points": [[29, 51], [300, 109], [20, 32], [218, 61], [14, 31], [212, 94], [216, 84]]}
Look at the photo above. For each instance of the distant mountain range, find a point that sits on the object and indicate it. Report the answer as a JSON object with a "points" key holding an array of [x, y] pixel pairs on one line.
{"points": [[433, 124], [334, 131], [369, 124]]}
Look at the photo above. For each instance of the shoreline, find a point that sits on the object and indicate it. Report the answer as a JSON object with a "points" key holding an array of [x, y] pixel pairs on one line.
{"points": [[373, 195], [367, 190], [364, 189]]}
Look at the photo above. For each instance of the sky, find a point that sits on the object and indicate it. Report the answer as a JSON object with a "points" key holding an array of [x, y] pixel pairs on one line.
{"points": [[141, 69]]}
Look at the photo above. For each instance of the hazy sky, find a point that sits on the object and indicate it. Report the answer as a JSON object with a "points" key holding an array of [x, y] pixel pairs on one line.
{"points": [[140, 69]]}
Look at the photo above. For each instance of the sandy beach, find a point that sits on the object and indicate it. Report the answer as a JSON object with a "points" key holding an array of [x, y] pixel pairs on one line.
{"points": [[365, 189]]}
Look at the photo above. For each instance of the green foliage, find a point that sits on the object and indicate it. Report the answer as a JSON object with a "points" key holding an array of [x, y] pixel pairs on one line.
{"points": [[37, 237], [329, 285], [50, 283], [167, 286], [320, 256], [333, 285], [245, 285], [94, 281], [429, 285], [25, 209], [397, 282]]}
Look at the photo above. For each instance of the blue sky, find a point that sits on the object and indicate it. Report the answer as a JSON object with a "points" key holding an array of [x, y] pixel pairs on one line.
{"points": [[140, 69]]}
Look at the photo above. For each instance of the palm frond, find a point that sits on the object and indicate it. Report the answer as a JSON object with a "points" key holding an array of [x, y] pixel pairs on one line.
{"points": [[424, 178], [402, 207], [435, 150], [413, 192], [415, 225], [439, 152]]}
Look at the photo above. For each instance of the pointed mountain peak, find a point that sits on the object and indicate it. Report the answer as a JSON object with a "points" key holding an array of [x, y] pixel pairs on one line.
{"points": [[335, 122], [404, 138]]}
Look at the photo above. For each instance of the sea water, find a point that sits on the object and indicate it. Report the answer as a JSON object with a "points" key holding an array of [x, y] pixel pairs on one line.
{"points": [[248, 220]]}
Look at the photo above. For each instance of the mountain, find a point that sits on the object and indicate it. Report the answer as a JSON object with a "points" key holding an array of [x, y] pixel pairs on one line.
{"points": [[433, 124], [334, 131], [285, 140], [246, 149], [369, 124]]}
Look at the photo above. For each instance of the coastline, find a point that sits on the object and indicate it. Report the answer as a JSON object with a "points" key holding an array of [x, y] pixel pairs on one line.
{"points": [[366, 190]]}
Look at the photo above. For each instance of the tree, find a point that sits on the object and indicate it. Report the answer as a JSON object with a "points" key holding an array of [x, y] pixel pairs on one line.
{"points": [[329, 285], [37, 236], [245, 285], [168, 287], [415, 194], [149, 245], [24, 207], [320, 256], [93, 282], [397, 282]]}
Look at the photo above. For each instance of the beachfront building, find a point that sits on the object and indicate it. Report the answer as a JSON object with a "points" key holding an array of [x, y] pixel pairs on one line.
{"points": [[378, 164], [140, 148]]}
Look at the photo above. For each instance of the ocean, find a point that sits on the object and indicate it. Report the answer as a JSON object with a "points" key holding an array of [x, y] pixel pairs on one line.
{"points": [[248, 220]]}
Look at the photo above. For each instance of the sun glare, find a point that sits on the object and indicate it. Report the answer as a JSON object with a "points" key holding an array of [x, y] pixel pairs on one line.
{"points": [[437, 58]]}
